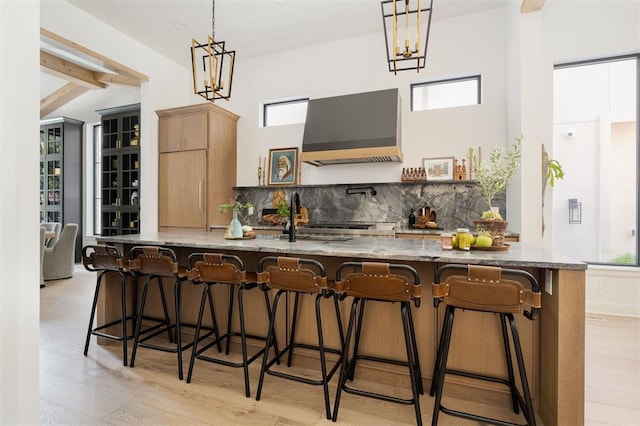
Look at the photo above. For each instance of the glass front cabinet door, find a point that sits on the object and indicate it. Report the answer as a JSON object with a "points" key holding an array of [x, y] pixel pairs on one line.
{"points": [[120, 177]]}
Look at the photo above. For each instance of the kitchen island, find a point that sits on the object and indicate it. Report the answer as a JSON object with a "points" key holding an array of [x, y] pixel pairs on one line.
{"points": [[553, 345]]}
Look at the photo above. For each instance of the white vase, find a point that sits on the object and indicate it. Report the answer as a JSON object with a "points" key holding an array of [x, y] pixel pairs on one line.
{"points": [[235, 227]]}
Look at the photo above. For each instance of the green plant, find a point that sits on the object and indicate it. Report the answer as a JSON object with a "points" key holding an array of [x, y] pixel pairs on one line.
{"points": [[624, 259], [283, 209], [223, 208], [494, 176], [554, 171]]}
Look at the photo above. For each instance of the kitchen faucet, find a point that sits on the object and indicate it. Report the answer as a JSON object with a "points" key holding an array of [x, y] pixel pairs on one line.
{"points": [[295, 201]]}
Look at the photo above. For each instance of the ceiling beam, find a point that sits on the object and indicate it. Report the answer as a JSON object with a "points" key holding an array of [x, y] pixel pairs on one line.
{"points": [[529, 6], [109, 78], [69, 71], [60, 97], [80, 78], [90, 55]]}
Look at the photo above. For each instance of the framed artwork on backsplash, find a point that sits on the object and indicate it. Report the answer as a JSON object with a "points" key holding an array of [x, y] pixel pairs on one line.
{"points": [[283, 166], [438, 168]]}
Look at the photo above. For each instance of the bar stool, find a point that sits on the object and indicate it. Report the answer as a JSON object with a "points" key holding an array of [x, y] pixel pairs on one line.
{"points": [[104, 260], [154, 263], [295, 276], [484, 289], [379, 282], [216, 268]]}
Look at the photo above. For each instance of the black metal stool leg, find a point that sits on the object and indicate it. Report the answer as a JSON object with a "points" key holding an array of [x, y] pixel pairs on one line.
{"points": [[93, 311], [268, 305], [345, 358], [229, 318], [214, 321], [507, 352], [323, 359], [442, 362], [356, 346], [528, 408], [123, 307], [414, 347], [294, 322], [164, 308], [136, 335], [436, 366], [205, 293], [176, 289], [243, 343], [270, 335], [338, 318], [409, 340]]}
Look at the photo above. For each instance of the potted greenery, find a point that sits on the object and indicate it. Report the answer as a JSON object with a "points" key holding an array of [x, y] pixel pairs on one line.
{"points": [[493, 177]]}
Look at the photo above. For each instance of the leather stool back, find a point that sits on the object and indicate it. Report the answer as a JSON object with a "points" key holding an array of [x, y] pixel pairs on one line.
{"points": [[296, 276], [379, 282], [493, 290], [104, 259]]}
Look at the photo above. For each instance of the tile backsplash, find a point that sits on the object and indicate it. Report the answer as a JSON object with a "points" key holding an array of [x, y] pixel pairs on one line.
{"points": [[457, 204]]}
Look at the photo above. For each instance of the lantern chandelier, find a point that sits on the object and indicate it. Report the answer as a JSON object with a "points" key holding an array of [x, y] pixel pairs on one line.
{"points": [[404, 23], [212, 64]]}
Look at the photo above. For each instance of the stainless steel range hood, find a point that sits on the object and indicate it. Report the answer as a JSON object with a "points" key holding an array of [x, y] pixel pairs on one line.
{"points": [[357, 128]]}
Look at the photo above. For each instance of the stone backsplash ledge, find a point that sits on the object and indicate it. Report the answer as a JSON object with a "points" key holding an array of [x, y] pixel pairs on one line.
{"points": [[457, 204]]}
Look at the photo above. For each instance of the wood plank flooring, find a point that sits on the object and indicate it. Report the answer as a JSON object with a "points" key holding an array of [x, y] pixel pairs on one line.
{"points": [[99, 390]]}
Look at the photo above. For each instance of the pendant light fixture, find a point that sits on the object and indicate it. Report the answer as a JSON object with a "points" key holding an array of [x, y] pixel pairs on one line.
{"points": [[212, 66], [406, 24]]}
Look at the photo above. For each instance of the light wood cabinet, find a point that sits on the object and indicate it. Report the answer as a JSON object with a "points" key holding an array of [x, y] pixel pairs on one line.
{"points": [[194, 181], [181, 196], [182, 131]]}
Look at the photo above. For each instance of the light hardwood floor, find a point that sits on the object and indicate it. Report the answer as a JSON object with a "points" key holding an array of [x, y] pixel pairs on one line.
{"points": [[98, 390]]}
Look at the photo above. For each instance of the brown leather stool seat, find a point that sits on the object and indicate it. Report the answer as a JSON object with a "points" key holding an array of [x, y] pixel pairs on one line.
{"points": [[216, 268], [379, 282], [295, 276], [107, 260], [492, 290], [155, 263]]}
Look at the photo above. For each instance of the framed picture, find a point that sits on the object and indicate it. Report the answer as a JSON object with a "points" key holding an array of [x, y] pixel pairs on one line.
{"points": [[438, 168], [283, 166]]}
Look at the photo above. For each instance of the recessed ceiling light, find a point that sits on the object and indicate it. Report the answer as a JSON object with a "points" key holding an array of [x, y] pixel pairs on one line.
{"points": [[180, 25]]}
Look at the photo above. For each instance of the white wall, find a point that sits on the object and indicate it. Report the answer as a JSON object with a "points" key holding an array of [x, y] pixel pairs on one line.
{"points": [[19, 214], [472, 44], [596, 29]]}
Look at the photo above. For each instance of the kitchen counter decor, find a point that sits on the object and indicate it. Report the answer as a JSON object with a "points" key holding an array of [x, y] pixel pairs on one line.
{"points": [[494, 177], [235, 230]]}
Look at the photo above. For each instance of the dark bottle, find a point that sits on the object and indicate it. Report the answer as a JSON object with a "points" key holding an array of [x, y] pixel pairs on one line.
{"points": [[412, 219]]}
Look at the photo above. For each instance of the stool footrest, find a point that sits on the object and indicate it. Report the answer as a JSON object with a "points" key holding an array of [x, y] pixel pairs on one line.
{"points": [[142, 340], [223, 361], [479, 418], [382, 397], [478, 376], [379, 396], [97, 330], [301, 379]]}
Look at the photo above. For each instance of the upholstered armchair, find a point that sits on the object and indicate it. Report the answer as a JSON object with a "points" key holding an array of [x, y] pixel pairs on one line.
{"points": [[43, 231], [59, 259], [54, 227]]}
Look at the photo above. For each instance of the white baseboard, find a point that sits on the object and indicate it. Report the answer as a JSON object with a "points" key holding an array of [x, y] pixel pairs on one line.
{"points": [[601, 308]]}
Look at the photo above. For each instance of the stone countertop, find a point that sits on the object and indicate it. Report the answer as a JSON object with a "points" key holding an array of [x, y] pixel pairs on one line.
{"points": [[363, 247]]}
